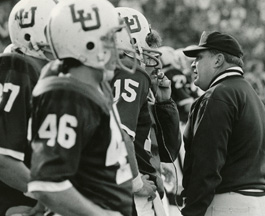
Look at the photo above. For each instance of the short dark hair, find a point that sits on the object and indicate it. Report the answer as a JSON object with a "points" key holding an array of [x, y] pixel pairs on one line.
{"points": [[229, 58], [68, 63], [153, 39]]}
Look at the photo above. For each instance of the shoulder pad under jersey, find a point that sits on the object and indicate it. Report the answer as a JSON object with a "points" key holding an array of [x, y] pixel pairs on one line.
{"points": [[21, 63], [53, 83]]}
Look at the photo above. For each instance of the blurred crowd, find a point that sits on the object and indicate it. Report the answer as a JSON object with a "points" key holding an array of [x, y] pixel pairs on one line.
{"points": [[5, 8], [255, 74]]}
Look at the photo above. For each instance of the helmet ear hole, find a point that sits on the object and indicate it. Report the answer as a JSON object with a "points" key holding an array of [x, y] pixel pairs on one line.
{"points": [[133, 41], [90, 45], [27, 37]]}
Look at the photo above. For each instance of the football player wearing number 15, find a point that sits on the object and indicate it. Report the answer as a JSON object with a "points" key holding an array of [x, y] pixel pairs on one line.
{"points": [[80, 163], [131, 92], [19, 72]]}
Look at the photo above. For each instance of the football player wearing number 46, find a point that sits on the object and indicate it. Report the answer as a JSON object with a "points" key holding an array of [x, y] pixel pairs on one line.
{"points": [[19, 71], [80, 163]]}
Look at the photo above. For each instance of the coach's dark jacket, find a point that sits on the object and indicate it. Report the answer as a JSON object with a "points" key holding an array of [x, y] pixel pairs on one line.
{"points": [[224, 142]]}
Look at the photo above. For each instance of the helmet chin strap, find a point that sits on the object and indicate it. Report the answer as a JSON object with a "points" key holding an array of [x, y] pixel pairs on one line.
{"points": [[42, 55], [34, 50], [142, 64], [107, 75]]}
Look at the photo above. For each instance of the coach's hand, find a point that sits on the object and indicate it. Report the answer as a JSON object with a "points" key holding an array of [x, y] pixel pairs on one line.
{"points": [[148, 189]]}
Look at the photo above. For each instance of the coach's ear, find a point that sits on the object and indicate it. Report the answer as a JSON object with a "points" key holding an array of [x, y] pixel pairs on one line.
{"points": [[219, 59]]}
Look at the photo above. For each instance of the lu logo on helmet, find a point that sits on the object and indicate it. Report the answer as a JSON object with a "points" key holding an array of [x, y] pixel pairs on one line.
{"points": [[22, 16], [131, 22], [82, 19]]}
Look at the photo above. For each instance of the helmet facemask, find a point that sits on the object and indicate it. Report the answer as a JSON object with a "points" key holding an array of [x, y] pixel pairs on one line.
{"points": [[111, 38]]}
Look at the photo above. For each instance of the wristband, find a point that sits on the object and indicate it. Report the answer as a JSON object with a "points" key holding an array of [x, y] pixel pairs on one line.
{"points": [[30, 195], [168, 101], [137, 183]]}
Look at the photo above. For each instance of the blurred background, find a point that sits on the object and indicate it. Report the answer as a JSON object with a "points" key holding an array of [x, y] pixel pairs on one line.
{"points": [[181, 22]]}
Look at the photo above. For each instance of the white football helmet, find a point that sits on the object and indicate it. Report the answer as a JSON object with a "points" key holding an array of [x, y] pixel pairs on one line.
{"points": [[142, 37], [10, 48], [27, 22], [182, 61], [167, 57], [86, 31]]}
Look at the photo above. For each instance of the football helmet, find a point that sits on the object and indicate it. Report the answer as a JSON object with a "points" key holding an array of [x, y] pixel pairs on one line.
{"points": [[167, 57], [182, 62], [10, 48], [143, 37], [86, 31], [27, 22]]}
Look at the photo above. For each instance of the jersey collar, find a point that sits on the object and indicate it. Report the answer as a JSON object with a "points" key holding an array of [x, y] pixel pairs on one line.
{"points": [[232, 71]]}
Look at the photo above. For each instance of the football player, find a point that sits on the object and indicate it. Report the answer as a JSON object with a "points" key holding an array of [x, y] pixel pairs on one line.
{"points": [[80, 163], [20, 67], [176, 68], [131, 93]]}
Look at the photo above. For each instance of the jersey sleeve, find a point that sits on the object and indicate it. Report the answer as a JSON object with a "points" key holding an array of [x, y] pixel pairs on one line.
{"points": [[167, 130], [17, 79], [58, 139], [130, 93]]}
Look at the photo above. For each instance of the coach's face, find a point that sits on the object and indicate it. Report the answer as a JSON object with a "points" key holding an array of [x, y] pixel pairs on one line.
{"points": [[203, 68]]}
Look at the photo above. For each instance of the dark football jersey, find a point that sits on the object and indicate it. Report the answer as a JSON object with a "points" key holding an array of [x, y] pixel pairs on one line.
{"points": [[181, 92], [77, 141], [130, 95], [18, 76]]}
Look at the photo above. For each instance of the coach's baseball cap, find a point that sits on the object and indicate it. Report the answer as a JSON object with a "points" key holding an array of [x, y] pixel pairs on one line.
{"points": [[216, 40]]}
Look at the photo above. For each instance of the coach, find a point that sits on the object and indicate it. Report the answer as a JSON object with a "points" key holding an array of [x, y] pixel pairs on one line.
{"points": [[224, 167]]}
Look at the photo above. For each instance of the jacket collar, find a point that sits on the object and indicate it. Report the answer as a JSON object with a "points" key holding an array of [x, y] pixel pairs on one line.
{"points": [[232, 71]]}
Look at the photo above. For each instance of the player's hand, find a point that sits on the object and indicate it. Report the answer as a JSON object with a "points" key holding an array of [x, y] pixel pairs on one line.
{"points": [[37, 210], [17, 210], [169, 177], [112, 213], [148, 189], [161, 86]]}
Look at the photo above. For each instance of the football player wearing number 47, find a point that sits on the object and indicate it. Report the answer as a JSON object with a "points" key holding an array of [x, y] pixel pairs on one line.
{"points": [[20, 68], [80, 163]]}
